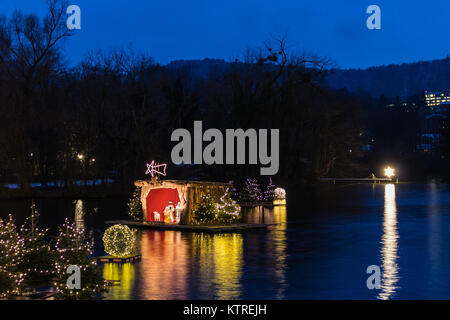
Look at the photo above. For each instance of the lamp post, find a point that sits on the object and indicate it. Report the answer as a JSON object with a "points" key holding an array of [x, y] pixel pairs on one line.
{"points": [[390, 173]]}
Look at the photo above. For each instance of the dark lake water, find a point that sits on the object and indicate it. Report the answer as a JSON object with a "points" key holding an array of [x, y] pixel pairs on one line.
{"points": [[320, 247]]}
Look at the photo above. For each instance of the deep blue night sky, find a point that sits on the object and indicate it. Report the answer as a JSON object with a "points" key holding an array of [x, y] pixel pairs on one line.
{"points": [[196, 29]]}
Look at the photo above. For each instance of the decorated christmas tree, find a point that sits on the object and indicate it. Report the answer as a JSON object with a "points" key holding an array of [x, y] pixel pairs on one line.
{"points": [[11, 248], [269, 193], [206, 211], [37, 256], [227, 208], [233, 191], [251, 191], [134, 205], [72, 249]]}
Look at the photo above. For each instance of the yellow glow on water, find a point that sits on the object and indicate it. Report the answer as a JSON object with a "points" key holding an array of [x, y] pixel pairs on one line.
{"points": [[279, 202], [389, 245], [79, 214], [125, 274], [221, 259], [228, 258], [280, 243]]}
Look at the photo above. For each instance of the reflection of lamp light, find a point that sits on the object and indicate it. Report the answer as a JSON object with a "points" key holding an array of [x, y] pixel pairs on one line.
{"points": [[389, 172], [389, 245]]}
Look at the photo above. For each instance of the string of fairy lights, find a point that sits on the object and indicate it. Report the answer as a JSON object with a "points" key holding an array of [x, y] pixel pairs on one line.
{"points": [[11, 252], [225, 211], [72, 249], [227, 205], [119, 240], [19, 249]]}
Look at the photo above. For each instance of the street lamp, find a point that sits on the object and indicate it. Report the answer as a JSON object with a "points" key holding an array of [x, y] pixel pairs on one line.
{"points": [[389, 172]]}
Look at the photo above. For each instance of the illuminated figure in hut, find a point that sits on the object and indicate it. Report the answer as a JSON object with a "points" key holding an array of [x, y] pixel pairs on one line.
{"points": [[169, 213]]}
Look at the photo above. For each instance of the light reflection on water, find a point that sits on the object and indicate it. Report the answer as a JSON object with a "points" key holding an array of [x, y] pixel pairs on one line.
{"points": [[220, 258], [122, 276], [320, 249], [164, 267], [389, 245], [174, 264], [79, 214]]}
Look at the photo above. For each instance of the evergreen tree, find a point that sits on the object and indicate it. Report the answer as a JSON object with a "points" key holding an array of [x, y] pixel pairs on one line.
{"points": [[228, 209], [269, 193], [11, 249], [251, 192], [37, 256], [72, 249], [233, 191], [206, 211], [135, 206]]}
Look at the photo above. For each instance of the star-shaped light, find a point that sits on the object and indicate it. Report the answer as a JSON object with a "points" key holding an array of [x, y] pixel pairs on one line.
{"points": [[153, 169], [389, 172]]}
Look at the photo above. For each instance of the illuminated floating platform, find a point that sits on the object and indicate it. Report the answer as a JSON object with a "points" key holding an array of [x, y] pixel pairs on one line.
{"points": [[130, 258], [236, 227], [267, 204]]}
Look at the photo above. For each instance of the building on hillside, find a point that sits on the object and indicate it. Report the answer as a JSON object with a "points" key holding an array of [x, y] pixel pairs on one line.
{"points": [[433, 119], [433, 99]]}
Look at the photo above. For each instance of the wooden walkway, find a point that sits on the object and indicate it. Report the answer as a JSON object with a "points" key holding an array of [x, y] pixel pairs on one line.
{"points": [[236, 227]]}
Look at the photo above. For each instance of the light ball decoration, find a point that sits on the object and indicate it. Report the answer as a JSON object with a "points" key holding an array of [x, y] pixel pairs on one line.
{"points": [[119, 241], [279, 194]]}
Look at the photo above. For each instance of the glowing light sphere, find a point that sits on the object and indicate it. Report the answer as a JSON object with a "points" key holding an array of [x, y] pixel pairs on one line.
{"points": [[389, 172], [119, 240], [279, 193]]}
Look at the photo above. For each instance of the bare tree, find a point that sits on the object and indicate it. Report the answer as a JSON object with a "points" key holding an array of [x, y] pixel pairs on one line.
{"points": [[29, 52]]}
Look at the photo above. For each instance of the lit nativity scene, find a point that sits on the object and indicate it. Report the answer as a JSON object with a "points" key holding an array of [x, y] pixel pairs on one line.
{"points": [[159, 202]]}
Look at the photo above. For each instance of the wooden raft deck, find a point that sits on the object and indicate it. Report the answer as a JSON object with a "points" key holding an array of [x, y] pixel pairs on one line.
{"points": [[191, 228], [129, 258]]}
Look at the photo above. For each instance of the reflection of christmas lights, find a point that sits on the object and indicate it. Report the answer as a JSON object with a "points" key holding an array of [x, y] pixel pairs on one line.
{"points": [[152, 168]]}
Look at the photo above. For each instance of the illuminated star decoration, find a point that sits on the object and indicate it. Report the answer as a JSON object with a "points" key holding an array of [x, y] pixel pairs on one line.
{"points": [[153, 169]]}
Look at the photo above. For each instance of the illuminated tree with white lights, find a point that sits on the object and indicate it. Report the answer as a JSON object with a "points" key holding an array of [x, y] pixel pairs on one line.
{"points": [[228, 209], [73, 249], [11, 249], [251, 191], [37, 256], [135, 206], [269, 193]]}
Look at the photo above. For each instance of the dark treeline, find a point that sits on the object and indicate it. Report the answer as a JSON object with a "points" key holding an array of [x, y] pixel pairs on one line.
{"points": [[404, 80], [116, 110]]}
